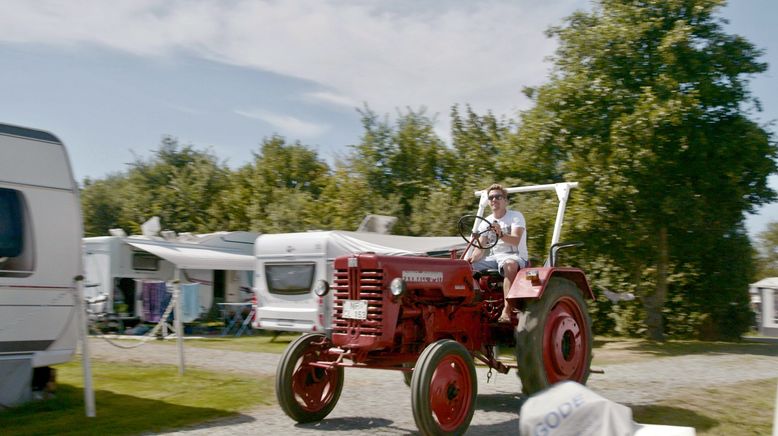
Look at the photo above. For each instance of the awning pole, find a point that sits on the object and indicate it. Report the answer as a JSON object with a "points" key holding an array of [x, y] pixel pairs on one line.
{"points": [[86, 365], [179, 325]]}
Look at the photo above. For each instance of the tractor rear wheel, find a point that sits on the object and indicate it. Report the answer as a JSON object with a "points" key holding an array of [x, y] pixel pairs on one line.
{"points": [[307, 393], [443, 389], [554, 338]]}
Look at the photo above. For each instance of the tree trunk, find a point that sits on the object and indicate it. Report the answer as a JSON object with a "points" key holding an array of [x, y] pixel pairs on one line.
{"points": [[656, 302]]}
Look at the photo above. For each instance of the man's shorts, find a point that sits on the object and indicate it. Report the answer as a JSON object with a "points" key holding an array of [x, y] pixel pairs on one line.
{"points": [[497, 261]]}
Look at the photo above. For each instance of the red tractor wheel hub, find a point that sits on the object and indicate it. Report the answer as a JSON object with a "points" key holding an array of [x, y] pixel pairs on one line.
{"points": [[564, 342], [450, 392]]}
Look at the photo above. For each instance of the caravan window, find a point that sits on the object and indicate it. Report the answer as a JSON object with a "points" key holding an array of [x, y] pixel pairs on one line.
{"points": [[290, 278], [15, 242], [145, 262]]}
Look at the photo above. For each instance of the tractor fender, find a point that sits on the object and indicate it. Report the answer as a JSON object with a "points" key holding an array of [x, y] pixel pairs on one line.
{"points": [[532, 282]]}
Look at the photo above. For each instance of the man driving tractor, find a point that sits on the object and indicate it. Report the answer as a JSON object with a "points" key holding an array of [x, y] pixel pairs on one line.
{"points": [[510, 252]]}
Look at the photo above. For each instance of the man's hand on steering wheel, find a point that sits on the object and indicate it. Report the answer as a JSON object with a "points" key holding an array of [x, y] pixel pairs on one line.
{"points": [[484, 239]]}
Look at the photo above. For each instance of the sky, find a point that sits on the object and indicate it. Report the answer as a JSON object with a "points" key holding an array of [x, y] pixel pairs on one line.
{"points": [[111, 78]]}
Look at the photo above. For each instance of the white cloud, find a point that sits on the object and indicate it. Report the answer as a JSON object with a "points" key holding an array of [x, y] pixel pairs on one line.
{"points": [[388, 54], [332, 98], [287, 125]]}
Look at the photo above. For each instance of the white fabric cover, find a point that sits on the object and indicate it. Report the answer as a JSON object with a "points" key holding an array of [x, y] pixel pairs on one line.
{"points": [[196, 257], [331, 244], [359, 242], [569, 408]]}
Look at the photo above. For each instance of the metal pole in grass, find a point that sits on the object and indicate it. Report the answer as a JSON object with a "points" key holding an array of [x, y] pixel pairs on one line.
{"points": [[178, 323], [89, 393]]}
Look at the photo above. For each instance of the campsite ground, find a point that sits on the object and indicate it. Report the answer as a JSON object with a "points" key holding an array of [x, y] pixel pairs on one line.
{"points": [[718, 388]]}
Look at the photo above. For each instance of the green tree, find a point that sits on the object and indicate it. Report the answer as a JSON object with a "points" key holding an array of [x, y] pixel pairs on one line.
{"points": [[179, 184], [279, 190], [475, 141], [474, 165], [648, 107], [400, 163], [347, 198], [101, 203]]}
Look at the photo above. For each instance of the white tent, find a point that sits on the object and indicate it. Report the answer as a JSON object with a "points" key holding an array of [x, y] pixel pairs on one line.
{"points": [[764, 300], [114, 265], [341, 242]]}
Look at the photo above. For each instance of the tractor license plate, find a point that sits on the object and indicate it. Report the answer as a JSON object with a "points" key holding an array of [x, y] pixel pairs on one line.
{"points": [[355, 309]]}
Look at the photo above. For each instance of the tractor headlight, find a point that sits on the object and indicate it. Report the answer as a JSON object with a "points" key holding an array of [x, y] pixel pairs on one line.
{"points": [[321, 288], [397, 287]]}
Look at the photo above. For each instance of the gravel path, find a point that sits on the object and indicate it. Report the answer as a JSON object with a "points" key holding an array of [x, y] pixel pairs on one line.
{"points": [[378, 401]]}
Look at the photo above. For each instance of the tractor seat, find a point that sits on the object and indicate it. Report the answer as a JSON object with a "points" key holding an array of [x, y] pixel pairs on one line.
{"points": [[488, 279], [486, 273]]}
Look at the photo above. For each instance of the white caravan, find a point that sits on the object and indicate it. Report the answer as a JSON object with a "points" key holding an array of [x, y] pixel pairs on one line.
{"points": [[288, 265], [40, 258], [222, 263]]}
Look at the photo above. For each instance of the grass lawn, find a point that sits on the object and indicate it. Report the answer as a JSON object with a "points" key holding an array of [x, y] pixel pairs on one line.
{"points": [[133, 399], [608, 351], [740, 409], [744, 408]]}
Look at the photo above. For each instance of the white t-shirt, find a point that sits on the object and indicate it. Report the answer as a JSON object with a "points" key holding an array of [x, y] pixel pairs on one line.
{"points": [[511, 220]]}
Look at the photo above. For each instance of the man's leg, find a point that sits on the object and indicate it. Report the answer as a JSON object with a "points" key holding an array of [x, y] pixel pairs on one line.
{"points": [[509, 270], [485, 263]]}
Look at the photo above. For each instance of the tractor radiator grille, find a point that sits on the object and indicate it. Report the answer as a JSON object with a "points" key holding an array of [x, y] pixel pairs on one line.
{"points": [[359, 284]]}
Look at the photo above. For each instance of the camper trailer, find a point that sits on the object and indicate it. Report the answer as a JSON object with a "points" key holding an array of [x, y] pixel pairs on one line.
{"points": [[116, 267], [288, 265], [40, 258]]}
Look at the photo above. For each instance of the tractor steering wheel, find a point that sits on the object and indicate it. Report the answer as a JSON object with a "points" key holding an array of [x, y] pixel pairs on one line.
{"points": [[485, 239]]}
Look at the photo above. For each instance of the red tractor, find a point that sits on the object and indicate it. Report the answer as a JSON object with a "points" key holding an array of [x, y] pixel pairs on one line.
{"points": [[432, 317]]}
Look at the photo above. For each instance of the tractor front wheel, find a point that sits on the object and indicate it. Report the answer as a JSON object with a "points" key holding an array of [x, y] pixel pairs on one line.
{"points": [[554, 338], [443, 389], [307, 393], [407, 375]]}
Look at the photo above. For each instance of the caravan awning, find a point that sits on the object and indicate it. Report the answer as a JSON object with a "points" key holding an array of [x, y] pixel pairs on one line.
{"points": [[185, 257]]}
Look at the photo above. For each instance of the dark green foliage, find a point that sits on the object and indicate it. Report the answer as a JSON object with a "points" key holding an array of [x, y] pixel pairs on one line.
{"points": [[648, 108], [400, 162], [101, 201]]}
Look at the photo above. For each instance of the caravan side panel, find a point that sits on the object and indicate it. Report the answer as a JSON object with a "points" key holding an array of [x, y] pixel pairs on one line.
{"points": [[40, 247]]}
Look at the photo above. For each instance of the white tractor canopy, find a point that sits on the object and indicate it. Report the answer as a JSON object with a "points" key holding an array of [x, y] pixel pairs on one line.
{"points": [[562, 192]]}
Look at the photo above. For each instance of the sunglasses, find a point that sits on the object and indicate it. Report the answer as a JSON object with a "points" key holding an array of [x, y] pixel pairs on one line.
{"points": [[496, 197]]}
